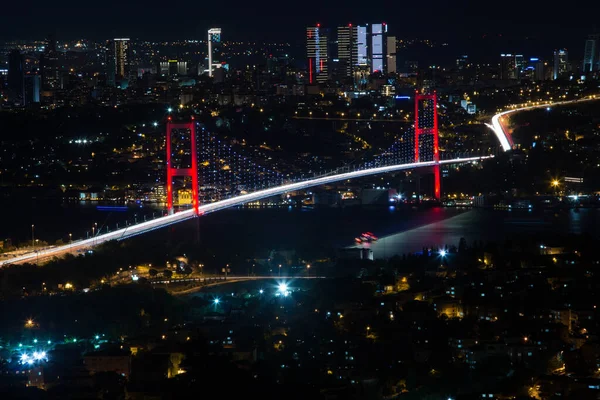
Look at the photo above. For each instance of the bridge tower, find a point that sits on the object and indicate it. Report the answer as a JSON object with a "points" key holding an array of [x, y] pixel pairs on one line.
{"points": [[426, 123], [181, 161]]}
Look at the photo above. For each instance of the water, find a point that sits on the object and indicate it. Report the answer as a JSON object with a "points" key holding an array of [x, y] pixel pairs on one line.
{"points": [[488, 226], [255, 232], [55, 219]]}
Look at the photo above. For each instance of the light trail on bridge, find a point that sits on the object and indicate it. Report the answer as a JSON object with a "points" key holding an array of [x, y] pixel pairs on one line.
{"points": [[167, 220], [505, 138]]}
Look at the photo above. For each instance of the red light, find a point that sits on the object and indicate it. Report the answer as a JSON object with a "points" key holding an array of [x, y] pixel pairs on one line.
{"points": [[350, 25], [193, 118], [169, 118], [318, 25], [383, 23]]}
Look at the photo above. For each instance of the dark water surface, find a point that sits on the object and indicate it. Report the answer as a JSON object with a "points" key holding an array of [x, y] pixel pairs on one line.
{"points": [[400, 230]]}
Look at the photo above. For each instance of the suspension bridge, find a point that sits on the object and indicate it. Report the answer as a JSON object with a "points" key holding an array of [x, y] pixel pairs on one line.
{"points": [[220, 177]]}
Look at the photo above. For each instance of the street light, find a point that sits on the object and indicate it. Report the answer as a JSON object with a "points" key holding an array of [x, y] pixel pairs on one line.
{"points": [[32, 237], [280, 270], [70, 238], [308, 269]]}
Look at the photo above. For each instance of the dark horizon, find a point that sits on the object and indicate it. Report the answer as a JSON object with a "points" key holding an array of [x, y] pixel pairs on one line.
{"points": [[462, 27]]}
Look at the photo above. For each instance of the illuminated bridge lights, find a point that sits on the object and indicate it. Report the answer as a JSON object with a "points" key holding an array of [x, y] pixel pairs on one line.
{"points": [[169, 219]]}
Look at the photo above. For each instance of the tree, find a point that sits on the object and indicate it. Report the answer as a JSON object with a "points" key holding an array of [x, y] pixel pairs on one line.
{"points": [[152, 272], [168, 274]]}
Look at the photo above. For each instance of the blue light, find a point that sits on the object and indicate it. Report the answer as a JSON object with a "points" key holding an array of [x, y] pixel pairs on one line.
{"points": [[261, 291], [443, 253], [216, 301], [534, 59]]}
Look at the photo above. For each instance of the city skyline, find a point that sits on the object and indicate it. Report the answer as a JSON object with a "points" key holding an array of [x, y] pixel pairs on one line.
{"points": [[457, 25]]}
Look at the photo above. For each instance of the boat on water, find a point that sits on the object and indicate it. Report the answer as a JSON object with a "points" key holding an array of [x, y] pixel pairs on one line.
{"points": [[366, 237]]}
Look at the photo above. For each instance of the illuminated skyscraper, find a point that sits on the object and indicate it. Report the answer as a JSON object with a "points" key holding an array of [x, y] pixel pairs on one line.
{"points": [[347, 48], [378, 41], [508, 67], [317, 53], [561, 63], [214, 36], [590, 54], [118, 60], [519, 65], [362, 46], [122, 57], [391, 55], [49, 65]]}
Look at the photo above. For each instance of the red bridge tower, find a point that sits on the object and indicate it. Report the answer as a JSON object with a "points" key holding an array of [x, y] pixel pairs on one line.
{"points": [[428, 125], [191, 171]]}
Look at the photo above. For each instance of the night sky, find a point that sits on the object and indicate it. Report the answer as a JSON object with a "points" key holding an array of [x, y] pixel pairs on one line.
{"points": [[524, 26]]}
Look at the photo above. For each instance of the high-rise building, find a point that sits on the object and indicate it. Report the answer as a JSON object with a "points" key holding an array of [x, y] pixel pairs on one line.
{"points": [[561, 64], [118, 60], [391, 55], [590, 54], [347, 48], [49, 65], [519, 65], [16, 81], [508, 67], [33, 85], [214, 36], [122, 57], [362, 46], [535, 70], [378, 41], [173, 68], [317, 53]]}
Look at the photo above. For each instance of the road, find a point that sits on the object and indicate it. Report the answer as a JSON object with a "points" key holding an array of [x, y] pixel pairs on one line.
{"points": [[230, 279], [161, 222], [505, 138]]}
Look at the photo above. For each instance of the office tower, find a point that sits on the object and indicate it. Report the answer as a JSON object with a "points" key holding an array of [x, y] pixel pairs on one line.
{"points": [[590, 54], [391, 55], [33, 85], [317, 53], [534, 70], [561, 63], [347, 45], [362, 46], [508, 67], [173, 68], [122, 57], [16, 82], [49, 65], [519, 65], [378, 34], [118, 60], [214, 36]]}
